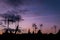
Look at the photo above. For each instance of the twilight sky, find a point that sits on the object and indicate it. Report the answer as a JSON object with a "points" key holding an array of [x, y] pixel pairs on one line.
{"points": [[46, 12]]}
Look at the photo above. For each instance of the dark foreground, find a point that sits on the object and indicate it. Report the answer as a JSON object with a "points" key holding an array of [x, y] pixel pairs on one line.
{"points": [[38, 36], [29, 37]]}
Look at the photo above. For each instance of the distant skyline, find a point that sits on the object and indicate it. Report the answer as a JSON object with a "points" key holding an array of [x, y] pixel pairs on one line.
{"points": [[46, 12]]}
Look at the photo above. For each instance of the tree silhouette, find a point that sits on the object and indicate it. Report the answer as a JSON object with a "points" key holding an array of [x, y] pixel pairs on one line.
{"points": [[29, 31], [16, 29], [8, 17], [41, 25], [34, 27], [51, 29], [55, 28]]}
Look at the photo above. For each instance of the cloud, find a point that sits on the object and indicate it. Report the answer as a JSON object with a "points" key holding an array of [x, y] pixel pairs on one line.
{"points": [[13, 2], [16, 3], [38, 7]]}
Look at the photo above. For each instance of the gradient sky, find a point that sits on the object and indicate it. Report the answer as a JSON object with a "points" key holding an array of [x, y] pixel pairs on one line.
{"points": [[46, 12]]}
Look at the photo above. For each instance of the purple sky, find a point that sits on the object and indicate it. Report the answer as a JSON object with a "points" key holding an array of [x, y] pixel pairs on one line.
{"points": [[46, 12]]}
